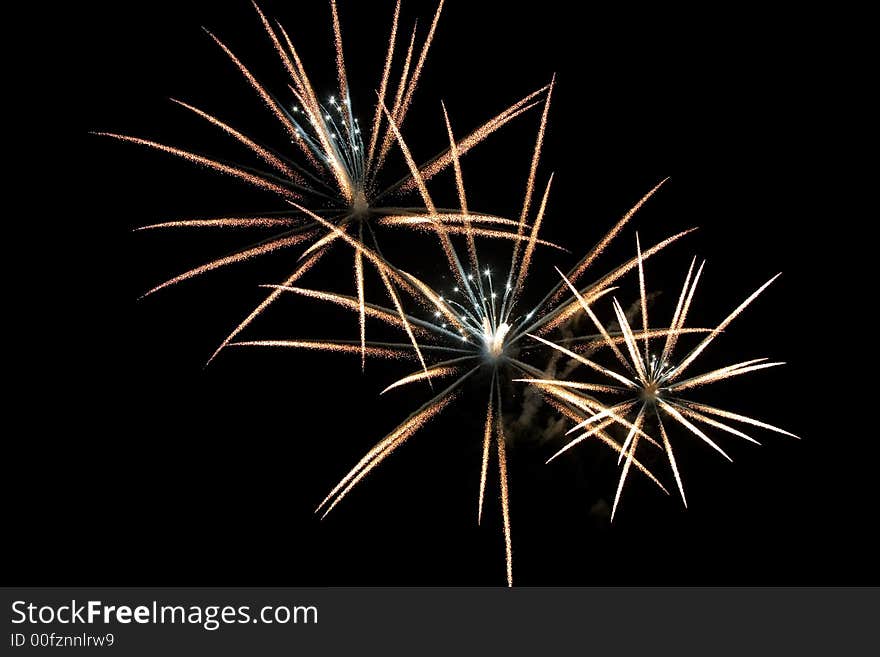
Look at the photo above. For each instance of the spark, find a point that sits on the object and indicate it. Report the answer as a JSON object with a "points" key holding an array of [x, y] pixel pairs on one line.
{"points": [[340, 171], [650, 382]]}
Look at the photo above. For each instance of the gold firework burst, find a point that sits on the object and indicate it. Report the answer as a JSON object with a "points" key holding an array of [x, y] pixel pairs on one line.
{"points": [[475, 327], [648, 385], [340, 168]]}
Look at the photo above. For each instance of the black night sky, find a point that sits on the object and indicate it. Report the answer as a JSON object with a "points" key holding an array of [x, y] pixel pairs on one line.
{"points": [[135, 465]]}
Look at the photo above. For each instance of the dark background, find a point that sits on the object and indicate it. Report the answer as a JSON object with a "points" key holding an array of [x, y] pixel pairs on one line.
{"points": [[131, 463]]}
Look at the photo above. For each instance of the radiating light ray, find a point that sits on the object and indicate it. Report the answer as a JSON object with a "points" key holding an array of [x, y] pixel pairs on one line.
{"points": [[478, 232], [715, 333], [236, 172], [298, 273], [577, 385], [586, 361], [735, 416], [533, 170], [487, 438], [264, 154], [601, 327], [632, 437], [720, 375], [441, 162], [383, 85], [318, 345], [593, 342], [225, 222], [606, 440], [403, 431], [585, 263], [352, 303], [693, 428], [241, 256], [532, 240], [563, 313], [505, 496], [463, 218], [714, 423], [667, 446], [446, 368], [654, 385], [643, 296]]}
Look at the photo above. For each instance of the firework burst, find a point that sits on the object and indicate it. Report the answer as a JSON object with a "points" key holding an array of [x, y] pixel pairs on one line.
{"points": [[649, 384], [338, 174], [477, 327]]}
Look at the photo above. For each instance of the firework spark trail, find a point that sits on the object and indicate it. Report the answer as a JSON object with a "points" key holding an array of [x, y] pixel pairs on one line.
{"points": [[351, 303], [236, 172], [241, 256], [378, 352], [655, 384], [383, 85], [487, 439], [225, 222], [384, 447], [578, 270]]}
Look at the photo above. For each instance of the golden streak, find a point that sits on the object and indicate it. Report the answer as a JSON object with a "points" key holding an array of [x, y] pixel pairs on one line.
{"points": [[671, 339], [597, 250], [431, 373], [383, 86], [317, 345], [630, 342], [717, 331], [428, 226], [340, 57], [225, 222], [462, 194], [484, 468], [400, 313], [388, 138], [464, 218], [643, 298], [617, 339], [505, 498], [633, 436], [417, 71], [442, 161], [256, 181], [370, 310], [606, 440], [385, 447], [576, 385], [426, 197], [714, 423], [740, 418], [667, 446], [533, 239], [362, 311], [586, 361], [599, 326], [564, 313], [267, 98], [722, 374], [285, 58], [298, 273], [533, 170], [693, 428], [260, 152], [241, 256]]}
